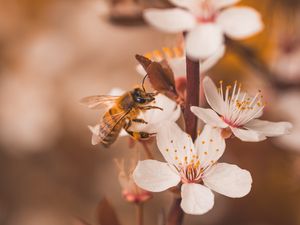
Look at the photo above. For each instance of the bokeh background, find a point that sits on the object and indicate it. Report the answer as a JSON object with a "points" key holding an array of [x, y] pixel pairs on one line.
{"points": [[54, 52]]}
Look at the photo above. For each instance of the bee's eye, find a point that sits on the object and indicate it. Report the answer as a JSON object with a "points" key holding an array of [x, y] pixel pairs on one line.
{"points": [[140, 100]]}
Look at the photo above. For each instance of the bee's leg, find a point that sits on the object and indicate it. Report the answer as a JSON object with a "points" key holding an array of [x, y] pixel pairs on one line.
{"points": [[140, 136], [137, 135], [140, 121], [150, 107]]}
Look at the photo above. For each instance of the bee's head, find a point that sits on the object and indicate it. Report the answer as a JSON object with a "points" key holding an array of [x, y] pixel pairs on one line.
{"points": [[142, 97]]}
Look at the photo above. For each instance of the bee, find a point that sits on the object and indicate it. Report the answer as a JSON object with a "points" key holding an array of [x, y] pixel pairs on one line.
{"points": [[122, 112]]}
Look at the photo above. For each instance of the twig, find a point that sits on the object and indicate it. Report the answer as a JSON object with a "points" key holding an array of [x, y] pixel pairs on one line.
{"points": [[139, 214], [176, 214]]}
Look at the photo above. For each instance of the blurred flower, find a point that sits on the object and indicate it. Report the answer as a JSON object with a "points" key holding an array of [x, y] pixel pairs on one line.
{"points": [[206, 23], [154, 117], [177, 60], [195, 166], [285, 61], [238, 113], [288, 105], [130, 191]]}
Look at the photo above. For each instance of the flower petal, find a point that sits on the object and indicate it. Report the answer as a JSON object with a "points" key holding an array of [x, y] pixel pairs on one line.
{"points": [[214, 99], [174, 144], [155, 176], [269, 129], [140, 69], [248, 135], [240, 22], [170, 20], [228, 180], [196, 199], [155, 117], [209, 116], [204, 40], [210, 145], [212, 60], [218, 4], [95, 134]]}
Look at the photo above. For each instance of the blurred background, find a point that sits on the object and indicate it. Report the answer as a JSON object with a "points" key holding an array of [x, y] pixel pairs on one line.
{"points": [[54, 52]]}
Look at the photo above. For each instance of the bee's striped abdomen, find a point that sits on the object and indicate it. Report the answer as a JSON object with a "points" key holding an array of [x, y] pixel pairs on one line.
{"points": [[110, 127]]}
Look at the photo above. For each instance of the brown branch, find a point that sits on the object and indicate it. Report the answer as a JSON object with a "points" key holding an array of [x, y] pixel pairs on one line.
{"points": [[139, 214], [176, 214]]}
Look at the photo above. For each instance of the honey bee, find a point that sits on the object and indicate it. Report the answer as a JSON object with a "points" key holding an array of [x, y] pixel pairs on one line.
{"points": [[122, 112]]}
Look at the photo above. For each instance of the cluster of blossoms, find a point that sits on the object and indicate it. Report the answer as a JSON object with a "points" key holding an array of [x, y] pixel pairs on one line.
{"points": [[194, 167]]}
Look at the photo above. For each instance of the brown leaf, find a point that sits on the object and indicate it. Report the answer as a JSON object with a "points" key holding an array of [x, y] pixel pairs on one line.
{"points": [[145, 62], [106, 214]]}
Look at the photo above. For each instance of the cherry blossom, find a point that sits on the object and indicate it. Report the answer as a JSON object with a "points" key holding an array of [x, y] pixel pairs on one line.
{"points": [[194, 166], [206, 22], [236, 112]]}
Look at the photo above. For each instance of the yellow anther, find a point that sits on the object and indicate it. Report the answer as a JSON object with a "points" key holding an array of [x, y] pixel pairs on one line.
{"points": [[205, 153], [148, 55], [178, 51], [168, 52], [167, 150], [203, 142]]}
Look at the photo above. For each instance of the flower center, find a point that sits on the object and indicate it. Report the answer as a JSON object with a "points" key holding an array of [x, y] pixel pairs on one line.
{"points": [[207, 12], [239, 108], [191, 173]]}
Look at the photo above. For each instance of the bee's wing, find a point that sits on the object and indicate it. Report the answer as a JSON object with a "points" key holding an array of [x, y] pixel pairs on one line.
{"points": [[99, 101]]}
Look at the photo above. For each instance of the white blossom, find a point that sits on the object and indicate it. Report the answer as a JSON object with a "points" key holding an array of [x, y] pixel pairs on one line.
{"points": [[237, 112], [193, 165], [206, 22]]}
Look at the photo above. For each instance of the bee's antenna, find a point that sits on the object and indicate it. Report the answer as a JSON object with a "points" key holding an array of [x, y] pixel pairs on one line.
{"points": [[144, 82]]}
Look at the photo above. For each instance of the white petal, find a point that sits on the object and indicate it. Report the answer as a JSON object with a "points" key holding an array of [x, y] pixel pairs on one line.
{"points": [[95, 134], [269, 129], [210, 145], [140, 69], [223, 3], [204, 40], [155, 117], [212, 60], [170, 20], [248, 135], [155, 176], [214, 99], [240, 22], [178, 65], [196, 199], [209, 116], [174, 144], [228, 180]]}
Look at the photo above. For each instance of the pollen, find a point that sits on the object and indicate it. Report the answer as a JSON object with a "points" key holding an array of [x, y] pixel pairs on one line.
{"points": [[168, 52], [205, 153], [176, 158], [167, 150], [203, 142], [211, 140], [184, 147], [217, 150], [172, 141]]}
